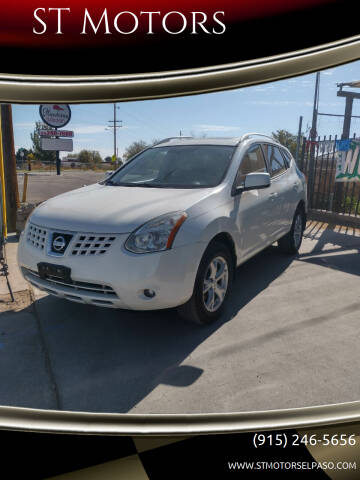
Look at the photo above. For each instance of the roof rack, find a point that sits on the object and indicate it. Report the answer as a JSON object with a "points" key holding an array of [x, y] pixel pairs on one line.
{"points": [[164, 140], [247, 135]]}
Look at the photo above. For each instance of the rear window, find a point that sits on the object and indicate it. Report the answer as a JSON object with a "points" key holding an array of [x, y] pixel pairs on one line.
{"points": [[275, 160], [287, 156]]}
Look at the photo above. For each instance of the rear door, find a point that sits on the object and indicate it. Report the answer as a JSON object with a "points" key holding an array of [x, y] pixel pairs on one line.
{"points": [[280, 189]]}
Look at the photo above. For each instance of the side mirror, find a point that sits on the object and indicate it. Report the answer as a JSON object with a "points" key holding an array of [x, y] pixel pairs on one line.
{"points": [[254, 181]]}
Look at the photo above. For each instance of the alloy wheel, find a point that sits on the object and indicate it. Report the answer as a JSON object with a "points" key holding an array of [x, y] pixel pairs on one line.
{"points": [[298, 230], [215, 284]]}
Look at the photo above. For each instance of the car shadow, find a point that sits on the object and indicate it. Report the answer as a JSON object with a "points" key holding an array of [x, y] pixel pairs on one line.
{"points": [[62, 355], [254, 276], [110, 360], [335, 247]]}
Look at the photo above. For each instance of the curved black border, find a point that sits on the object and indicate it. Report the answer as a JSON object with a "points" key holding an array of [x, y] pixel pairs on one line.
{"points": [[110, 88], [30, 89]]}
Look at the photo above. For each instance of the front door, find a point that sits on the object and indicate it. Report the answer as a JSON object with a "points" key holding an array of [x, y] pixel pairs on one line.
{"points": [[255, 215]]}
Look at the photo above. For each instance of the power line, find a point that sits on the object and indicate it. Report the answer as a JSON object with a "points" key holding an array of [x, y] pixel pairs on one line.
{"points": [[149, 125]]}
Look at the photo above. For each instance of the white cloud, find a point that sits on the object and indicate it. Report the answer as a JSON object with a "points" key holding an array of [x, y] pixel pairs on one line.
{"points": [[328, 72], [264, 88], [306, 83], [24, 124], [216, 128], [330, 104], [93, 129], [280, 103], [84, 140], [88, 129]]}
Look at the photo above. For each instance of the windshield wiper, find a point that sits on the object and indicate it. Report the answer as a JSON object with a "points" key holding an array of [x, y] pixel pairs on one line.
{"points": [[110, 182], [128, 184], [148, 185], [145, 185]]}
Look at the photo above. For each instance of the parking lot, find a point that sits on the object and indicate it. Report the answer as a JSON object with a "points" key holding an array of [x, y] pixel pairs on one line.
{"points": [[289, 338], [43, 185]]}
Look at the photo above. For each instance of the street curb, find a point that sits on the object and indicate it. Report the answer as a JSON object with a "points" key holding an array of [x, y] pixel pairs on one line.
{"points": [[334, 218]]}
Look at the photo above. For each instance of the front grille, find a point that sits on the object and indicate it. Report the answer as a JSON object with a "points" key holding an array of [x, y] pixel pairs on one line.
{"points": [[87, 244], [74, 244], [97, 288], [36, 236]]}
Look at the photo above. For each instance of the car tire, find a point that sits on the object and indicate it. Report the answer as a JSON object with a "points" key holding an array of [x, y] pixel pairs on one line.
{"points": [[291, 242], [212, 286]]}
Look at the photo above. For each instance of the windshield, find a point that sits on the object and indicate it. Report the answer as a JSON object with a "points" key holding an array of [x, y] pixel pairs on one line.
{"points": [[184, 166]]}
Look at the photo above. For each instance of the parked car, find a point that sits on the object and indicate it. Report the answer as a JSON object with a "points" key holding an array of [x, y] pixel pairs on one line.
{"points": [[168, 228]]}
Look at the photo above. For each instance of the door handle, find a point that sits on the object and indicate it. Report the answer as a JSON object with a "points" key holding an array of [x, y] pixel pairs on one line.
{"points": [[273, 195]]}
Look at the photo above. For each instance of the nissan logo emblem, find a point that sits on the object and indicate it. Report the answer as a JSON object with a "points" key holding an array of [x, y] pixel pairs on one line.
{"points": [[59, 243]]}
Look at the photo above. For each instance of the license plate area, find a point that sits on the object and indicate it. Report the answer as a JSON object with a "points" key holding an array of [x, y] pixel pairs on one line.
{"points": [[54, 272]]}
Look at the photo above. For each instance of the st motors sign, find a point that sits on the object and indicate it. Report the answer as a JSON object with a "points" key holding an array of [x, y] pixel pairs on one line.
{"points": [[55, 115]]}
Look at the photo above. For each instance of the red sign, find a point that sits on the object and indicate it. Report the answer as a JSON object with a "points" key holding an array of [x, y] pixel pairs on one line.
{"points": [[55, 115], [56, 133]]}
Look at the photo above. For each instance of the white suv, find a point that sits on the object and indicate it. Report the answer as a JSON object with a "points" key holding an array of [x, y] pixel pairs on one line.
{"points": [[169, 227]]}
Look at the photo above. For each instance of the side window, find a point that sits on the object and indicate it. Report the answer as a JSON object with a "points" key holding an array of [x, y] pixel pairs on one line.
{"points": [[252, 161], [287, 156], [275, 160]]}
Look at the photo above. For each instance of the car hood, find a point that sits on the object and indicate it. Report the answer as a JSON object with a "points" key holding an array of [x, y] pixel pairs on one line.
{"points": [[114, 209]]}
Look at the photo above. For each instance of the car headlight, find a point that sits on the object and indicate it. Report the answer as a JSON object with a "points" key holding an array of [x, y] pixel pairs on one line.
{"points": [[156, 235], [26, 225]]}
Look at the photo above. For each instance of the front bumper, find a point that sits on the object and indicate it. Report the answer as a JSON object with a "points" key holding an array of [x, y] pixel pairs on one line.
{"points": [[118, 278]]}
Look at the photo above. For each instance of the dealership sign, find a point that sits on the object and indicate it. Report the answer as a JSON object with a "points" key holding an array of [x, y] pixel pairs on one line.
{"points": [[56, 133], [57, 144], [348, 161], [55, 115]]}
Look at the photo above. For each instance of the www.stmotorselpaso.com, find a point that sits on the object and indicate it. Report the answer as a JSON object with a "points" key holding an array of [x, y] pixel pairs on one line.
{"points": [[288, 465]]}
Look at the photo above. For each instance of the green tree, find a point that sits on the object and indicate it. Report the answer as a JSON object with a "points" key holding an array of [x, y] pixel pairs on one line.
{"points": [[287, 139], [40, 154], [134, 148], [92, 157], [72, 156], [20, 159]]}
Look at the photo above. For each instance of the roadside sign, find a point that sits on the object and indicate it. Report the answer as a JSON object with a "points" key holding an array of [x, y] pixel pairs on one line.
{"points": [[348, 161], [57, 144], [55, 115], [56, 133]]}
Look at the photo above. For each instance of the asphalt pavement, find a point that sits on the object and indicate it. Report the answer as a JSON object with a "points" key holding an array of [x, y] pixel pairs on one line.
{"points": [[289, 338], [43, 185]]}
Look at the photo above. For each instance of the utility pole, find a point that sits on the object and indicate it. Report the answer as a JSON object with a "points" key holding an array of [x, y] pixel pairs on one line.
{"points": [[57, 160], [313, 135], [298, 139], [115, 124], [12, 193]]}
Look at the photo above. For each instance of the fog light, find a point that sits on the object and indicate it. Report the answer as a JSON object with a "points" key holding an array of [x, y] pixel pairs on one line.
{"points": [[149, 293]]}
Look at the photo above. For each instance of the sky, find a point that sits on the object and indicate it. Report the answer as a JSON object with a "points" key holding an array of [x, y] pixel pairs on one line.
{"points": [[263, 108]]}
